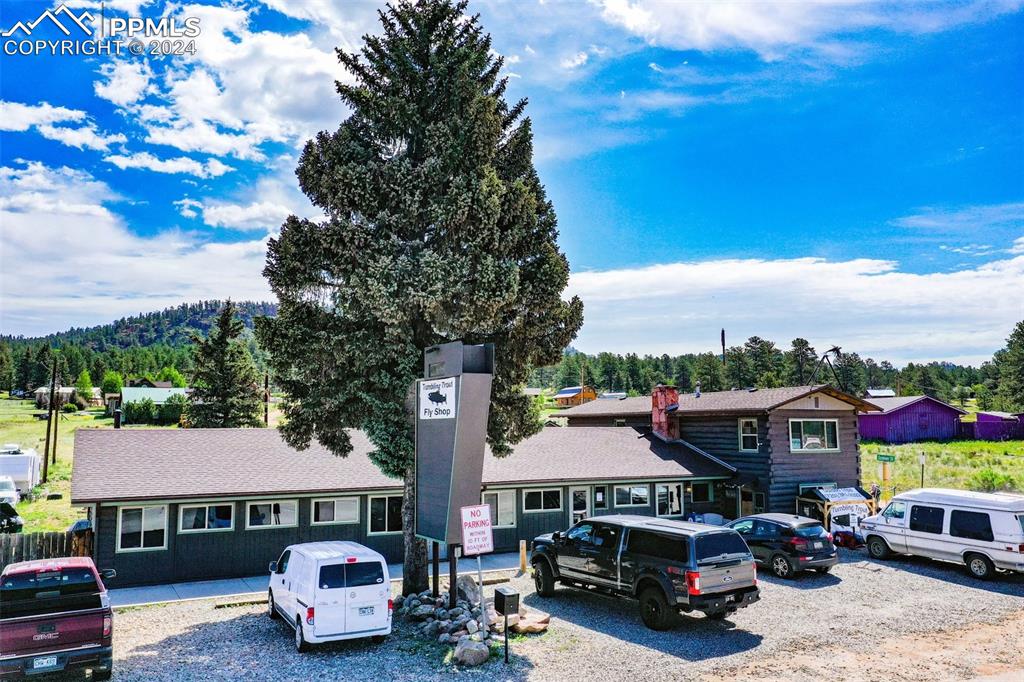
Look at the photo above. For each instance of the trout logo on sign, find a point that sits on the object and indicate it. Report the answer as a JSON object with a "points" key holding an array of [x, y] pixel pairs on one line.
{"points": [[437, 399]]}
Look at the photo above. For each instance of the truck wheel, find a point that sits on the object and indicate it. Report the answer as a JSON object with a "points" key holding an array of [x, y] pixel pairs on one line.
{"points": [[781, 567], [301, 645], [878, 548], [543, 581], [980, 566], [99, 675], [654, 609], [271, 609]]}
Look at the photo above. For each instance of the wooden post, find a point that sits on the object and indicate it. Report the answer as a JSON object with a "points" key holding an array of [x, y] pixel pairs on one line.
{"points": [[435, 560], [49, 418], [56, 420], [522, 556], [453, 575]]}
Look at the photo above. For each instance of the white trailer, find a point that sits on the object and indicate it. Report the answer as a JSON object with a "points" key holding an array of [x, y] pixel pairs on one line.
{"points": [[24, 466]]}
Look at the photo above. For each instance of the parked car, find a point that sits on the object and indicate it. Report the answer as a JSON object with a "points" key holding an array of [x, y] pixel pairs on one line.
{"points": [[55, 616], [668, 566], [329, 591], [10, 521], [8, 491], [983, 531], [787, 544]]}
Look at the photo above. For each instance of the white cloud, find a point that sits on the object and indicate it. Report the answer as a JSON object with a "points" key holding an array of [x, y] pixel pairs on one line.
{"points": [[259, 215], [977, 219], [126, 82], [181, 164], [1018, 245], [869, 306], [58, 219], [19, 117], [574, 61], [84, 137], [187, 207]]}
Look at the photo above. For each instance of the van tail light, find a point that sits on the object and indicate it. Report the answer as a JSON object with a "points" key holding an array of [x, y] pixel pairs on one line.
{"points": [[755, 574], [107, 626], [693, 582], [391, 604], [309, 615], [1021, 549]]}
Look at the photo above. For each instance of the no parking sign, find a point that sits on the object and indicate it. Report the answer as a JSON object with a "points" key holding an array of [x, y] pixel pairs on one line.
{"points": [[477, 536]]}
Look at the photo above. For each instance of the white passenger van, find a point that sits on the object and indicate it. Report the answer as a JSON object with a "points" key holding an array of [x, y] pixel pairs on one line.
{"points": [[983, 531], [329, 591]]}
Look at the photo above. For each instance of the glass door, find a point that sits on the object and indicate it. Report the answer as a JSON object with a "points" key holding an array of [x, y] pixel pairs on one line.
{"points": [[580, 500]]}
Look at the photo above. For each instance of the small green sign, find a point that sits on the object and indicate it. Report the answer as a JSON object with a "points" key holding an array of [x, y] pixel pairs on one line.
{"points": [[886, 458]]}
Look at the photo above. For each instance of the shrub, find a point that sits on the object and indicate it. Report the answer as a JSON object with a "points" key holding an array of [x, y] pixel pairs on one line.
{"points": [[139, 412], [69, 407], [170, 412], [989, 481]]}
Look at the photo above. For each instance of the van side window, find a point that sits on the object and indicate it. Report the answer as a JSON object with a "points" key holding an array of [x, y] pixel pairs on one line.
{"points": [[895, 510], [926, 519], [282, 563], [970, 525]]}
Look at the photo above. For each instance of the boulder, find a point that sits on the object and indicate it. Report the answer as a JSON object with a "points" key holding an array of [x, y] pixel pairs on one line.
{"points": [[458, 634], [456, 612], [444, 638], [532, 621], [413, 603], [432, 629], [468, 652], [399, 600], [472, 626], [440, 613], [422, 612], [467, 589]]}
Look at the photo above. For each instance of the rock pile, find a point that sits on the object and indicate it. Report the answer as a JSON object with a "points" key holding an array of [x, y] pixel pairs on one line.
{"points": [[463, 626]]}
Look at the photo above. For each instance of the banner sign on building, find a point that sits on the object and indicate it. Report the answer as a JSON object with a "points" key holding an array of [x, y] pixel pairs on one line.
{"points": [[477, 536]]}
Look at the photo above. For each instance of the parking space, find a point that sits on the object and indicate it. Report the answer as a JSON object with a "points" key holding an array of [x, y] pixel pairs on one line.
{"points": [[861, 615]]}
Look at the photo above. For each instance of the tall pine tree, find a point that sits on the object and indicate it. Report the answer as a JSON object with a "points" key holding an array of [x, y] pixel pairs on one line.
{"points": [[225, 392], [436, 228], [1011, 370]]}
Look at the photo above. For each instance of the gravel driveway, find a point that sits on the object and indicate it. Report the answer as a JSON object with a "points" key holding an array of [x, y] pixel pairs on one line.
{"points": [[592, 636]]}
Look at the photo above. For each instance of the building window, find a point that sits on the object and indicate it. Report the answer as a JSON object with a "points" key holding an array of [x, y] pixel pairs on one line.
{"points": [[760, 502], [503, 508], [620, 422], [701, 492], [748, 435], [926, 519], [142, 528], [386, 514], [971, 525], [272, 514], [813, 434], [194, 518], [670, 499], [335, 510], [542, 500], [600, 497], [632, 496]]}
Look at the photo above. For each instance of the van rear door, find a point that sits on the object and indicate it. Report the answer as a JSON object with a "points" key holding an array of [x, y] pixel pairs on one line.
{"points": [[330, 600], [367, 592], [50, 610]]}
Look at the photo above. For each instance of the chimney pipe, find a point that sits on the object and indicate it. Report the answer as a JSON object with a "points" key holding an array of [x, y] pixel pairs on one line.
{"points": [[697, 394], [117, 419]]}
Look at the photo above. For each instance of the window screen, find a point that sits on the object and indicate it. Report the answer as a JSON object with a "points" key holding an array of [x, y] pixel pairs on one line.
{"points": [[970, 525], [926, 519]]}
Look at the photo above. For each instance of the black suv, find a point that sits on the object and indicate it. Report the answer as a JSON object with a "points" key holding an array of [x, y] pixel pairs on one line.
{"points": [[787, 543], [670, 566]]}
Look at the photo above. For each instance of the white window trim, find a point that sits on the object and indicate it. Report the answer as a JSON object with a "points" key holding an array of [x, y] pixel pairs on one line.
{"points": [[837, 448], [561, 501], [270, 526], [682, 498], [739, 428], [369, 517], [499, 493], [312, 510], [205, 505], [120, 512], [615, 496], [711, 492]]}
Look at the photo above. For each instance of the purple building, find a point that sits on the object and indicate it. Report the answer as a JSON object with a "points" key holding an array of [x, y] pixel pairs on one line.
{"points": [[908, 419], [999, 426]]}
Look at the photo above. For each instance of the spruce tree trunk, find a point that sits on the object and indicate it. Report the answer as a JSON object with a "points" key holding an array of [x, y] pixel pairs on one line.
{"points": [[415, 573]]}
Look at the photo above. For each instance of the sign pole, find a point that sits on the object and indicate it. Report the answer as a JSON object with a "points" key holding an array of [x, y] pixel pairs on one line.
{"points": [[483, 600], [436, 562], [506, 639], [453, 576], [922, 460]]}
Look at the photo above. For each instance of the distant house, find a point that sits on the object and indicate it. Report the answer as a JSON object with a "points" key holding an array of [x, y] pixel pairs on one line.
{"points": [[999, 426], [619, 395], [575, 395], [64, 394], [910, 418], [143, 382], [533, 392], [159, 396], [881, 393]]}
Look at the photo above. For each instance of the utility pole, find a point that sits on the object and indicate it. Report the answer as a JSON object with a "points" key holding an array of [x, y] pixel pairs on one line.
{"points": [[56, 420], [266, 399], [723, 345], [49, 419]]}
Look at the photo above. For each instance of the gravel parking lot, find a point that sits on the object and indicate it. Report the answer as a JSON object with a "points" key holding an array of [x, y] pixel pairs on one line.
{"points": [[864, 619]]}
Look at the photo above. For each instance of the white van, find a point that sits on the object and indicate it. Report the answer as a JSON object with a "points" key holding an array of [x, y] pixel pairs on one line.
{"points": [[983, 531], [329, 591]]}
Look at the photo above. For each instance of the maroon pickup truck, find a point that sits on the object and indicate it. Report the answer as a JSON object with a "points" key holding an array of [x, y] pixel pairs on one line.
{"points": [[55, 616]]}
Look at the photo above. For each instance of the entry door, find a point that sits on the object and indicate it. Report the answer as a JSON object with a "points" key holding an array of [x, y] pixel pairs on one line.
{"points": [[579, 498], [746, 502]]}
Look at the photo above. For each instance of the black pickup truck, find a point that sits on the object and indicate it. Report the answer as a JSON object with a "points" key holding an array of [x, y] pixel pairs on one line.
{"points": [[669, 566]]}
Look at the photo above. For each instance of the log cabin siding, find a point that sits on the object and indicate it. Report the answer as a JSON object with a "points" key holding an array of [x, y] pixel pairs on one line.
{"points": [[720, 436], [790, 469]]}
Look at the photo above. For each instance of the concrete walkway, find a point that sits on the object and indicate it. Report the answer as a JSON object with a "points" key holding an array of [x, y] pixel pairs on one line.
{"points": [[230, 587]]}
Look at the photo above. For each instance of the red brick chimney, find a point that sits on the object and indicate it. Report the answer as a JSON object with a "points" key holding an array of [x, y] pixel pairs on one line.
{"points": [[662, 421]]}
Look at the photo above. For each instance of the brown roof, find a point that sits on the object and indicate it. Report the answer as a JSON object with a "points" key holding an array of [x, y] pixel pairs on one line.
{"points": [[139, 464], [713, 402], [888, 405]]}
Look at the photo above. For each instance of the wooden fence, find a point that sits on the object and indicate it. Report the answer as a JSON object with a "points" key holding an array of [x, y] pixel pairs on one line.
{"points": [[16, 547]]}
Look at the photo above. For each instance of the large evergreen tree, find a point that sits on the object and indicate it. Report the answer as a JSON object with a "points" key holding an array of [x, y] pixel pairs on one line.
{"points": [[799, 362], [436, 228], [225, 392], [1011, 370], [6, 368]]}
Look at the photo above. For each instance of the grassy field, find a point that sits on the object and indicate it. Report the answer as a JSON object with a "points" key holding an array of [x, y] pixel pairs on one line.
{"points": [[971, 464]]}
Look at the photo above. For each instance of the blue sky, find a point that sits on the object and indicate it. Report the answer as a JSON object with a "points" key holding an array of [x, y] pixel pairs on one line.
{"points": [[852, 173]]}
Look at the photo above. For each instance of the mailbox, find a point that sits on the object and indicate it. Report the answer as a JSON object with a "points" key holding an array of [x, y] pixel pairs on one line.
{"points": [[506, 601]]}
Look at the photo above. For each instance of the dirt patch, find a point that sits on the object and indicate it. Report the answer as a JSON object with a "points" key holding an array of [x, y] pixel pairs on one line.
{"points": [[977, 651]]}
